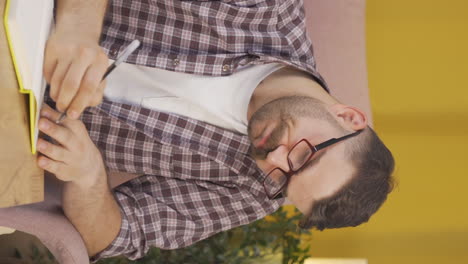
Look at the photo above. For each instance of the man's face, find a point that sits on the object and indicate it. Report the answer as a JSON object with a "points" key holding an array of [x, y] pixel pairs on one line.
{"points": [[277, 126]]}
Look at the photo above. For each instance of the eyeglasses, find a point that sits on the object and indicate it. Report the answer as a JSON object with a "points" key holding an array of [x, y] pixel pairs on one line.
{"points": [[277, 180]]}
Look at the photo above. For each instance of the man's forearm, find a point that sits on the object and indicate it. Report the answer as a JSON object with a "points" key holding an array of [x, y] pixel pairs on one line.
{"points": [[94, 212], [83, 16]]}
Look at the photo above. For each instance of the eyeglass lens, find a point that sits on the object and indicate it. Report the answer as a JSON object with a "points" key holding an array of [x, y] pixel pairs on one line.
{"points": [[299, 155], [276, 180]]}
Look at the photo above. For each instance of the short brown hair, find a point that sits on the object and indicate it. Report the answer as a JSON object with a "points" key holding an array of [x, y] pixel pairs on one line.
{"points": [[363, 195]]}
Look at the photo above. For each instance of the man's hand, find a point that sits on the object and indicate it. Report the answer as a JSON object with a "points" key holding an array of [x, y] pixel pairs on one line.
{"points": [[74, 157], [86, 198], [73, 66]]}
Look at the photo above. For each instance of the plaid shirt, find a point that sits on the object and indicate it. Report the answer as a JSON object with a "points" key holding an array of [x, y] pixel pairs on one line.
{"points": [[212, 38], [198, 179]]}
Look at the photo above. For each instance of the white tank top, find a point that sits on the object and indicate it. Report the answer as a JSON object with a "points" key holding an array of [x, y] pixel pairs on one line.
{"points": [[221, 101]]}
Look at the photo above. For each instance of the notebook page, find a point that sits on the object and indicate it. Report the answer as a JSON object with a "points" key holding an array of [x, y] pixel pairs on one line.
{"points": [[29, 23]]}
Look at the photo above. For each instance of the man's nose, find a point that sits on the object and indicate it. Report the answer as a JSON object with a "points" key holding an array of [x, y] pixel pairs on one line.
{"points": [[279, 158]]}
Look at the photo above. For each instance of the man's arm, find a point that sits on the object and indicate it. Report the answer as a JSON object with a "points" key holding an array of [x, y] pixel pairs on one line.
{"points": [[87, 200], [74, 63], [94, 213]]}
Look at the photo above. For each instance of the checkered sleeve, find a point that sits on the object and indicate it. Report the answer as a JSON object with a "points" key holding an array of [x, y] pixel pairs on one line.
{"points": [[138, 229], [176, 214]]}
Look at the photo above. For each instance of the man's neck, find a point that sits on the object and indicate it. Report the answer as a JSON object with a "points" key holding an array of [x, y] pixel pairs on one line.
{"points": [[286, 82]]}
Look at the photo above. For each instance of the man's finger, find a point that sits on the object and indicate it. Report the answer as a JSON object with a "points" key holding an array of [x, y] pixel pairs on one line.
{"points": [[89, 89], [49, 67], [52, 166], [52, 151], [98, 95], [97, 99], [71, 83], [49, 113], [50, 61], [57, 79], [59, 133]]}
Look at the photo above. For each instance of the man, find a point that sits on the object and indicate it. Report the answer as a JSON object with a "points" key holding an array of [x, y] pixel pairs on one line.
{"points": [[198, 179]]}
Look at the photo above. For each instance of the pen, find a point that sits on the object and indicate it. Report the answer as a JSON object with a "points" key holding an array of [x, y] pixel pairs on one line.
{"points": [[121, 58]]}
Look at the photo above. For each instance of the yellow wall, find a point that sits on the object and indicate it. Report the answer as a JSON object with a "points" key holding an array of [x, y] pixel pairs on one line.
{"points": [[418, 77]]}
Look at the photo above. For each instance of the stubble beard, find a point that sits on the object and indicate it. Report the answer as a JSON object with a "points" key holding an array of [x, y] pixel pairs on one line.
{"points": [[282, 111], [272, 112]]}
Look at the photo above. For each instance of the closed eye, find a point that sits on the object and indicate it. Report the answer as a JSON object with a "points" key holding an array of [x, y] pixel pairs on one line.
{"points": [[315, 158]]}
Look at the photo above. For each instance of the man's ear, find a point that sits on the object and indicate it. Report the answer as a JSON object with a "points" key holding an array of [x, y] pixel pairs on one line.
{"points": [[349, 117]]}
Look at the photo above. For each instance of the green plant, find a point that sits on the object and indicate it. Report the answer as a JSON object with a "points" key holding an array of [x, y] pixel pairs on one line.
{"points": [[36, 255], [276, 234]]}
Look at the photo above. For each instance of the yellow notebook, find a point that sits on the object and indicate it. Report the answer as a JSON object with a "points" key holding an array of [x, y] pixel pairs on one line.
{"points": [[27, 25]]}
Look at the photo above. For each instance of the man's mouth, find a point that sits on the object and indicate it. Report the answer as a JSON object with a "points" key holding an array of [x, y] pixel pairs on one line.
{"points": [[261, 142]]}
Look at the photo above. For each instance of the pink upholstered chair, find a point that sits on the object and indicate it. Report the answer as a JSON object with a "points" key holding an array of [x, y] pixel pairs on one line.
{"points": [[337, 30]]}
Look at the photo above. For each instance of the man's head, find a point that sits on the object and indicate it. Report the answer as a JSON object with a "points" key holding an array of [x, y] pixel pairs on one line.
{"points": [[342, 185]]}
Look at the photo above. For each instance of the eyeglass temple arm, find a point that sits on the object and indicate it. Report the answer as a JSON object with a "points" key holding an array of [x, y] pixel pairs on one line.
{"points": [[335, 140]]}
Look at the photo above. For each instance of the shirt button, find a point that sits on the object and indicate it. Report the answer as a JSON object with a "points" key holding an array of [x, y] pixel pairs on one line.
{"points": [[113, 52], [176, 62], [226, 68], [243, 62]]}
